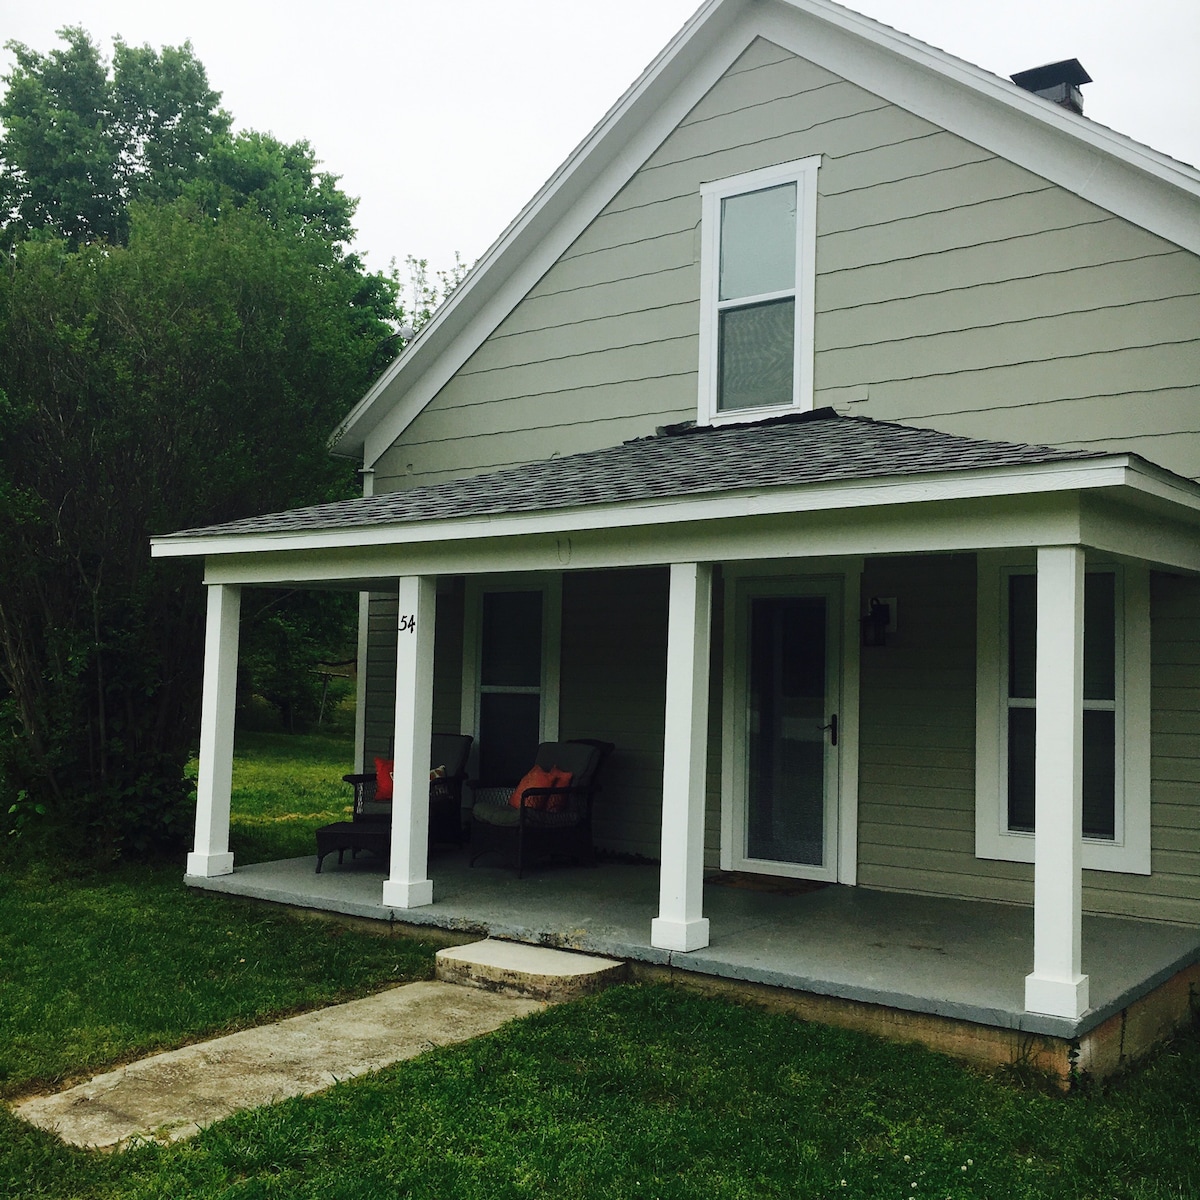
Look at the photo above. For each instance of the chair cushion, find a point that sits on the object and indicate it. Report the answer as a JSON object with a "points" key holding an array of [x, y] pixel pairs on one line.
{"points": [[384, 767], [577, 757], [504, 815], [562, 779], [535, 777]]}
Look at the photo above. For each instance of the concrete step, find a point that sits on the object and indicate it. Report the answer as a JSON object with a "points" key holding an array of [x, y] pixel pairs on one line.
{"points": [[533, 971]]}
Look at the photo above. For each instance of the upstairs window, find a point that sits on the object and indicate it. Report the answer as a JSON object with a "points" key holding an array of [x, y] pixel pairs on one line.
{"points": [[757, 284]]}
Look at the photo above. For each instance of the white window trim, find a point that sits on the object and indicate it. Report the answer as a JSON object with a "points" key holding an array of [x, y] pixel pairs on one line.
{"points": [[803, 173], [551, 588], [1129, 852]]}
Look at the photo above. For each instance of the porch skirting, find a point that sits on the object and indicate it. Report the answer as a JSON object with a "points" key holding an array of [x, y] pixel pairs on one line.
{"points": [[950, 973]]}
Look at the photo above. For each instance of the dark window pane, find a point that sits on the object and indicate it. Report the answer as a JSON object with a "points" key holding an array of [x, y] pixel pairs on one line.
{"points": [[1099, 774], [1099, 637], [512, 639], [1022, 635], [1022, 723], [785, 814], [756, 352], [509, 729]]}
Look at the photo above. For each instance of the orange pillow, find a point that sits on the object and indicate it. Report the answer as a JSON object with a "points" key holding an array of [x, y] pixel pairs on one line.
{"points": [[534, 778], [383, 779], [562, 779]]}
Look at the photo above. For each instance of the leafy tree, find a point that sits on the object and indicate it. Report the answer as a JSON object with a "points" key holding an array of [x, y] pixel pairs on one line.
{"points": [[182, 323], [186, 378], [80, 144]]}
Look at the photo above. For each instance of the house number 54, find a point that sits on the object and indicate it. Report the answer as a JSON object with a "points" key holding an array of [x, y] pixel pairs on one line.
{"points": [[408, 623]]}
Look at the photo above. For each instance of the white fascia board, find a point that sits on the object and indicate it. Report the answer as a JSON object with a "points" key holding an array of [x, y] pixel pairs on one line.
{"points": [[1112, 171], [566, 204], [1086, 474]]}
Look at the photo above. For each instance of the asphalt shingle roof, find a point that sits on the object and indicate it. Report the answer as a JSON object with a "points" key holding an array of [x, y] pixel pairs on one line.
{"points": [[680, 461]]}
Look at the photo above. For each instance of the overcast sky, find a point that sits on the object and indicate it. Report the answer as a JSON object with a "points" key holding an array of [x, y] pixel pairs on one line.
{"points": [[445, 117]]}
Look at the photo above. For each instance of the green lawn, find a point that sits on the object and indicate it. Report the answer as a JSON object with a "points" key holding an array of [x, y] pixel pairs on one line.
{"points": [[640, 1092], [284, 787]]}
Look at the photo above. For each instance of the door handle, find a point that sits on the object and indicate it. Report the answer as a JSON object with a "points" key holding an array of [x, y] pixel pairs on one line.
{"points": [[832, 729]]}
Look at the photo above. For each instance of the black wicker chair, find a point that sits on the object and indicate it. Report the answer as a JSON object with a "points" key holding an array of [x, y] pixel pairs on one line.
{"points": [[370, 826], [551, 821]]}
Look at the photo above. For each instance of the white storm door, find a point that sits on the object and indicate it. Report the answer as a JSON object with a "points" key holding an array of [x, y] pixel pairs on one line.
{"points": [[787, 700]]}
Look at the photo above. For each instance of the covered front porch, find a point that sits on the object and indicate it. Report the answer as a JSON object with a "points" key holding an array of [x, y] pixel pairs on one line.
{"points": [[844, 950], [681, 539]]}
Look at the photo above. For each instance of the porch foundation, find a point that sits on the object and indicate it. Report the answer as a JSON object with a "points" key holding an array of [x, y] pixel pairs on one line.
{"points": [[1110, 1047], [947, 973]]}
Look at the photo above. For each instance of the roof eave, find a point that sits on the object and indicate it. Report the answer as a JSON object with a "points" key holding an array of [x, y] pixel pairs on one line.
{"points": [[1091, 474]]}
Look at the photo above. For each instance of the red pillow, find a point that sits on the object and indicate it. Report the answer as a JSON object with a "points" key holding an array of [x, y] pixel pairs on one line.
{"points": [[383, 779], [534, 778], [562, 779]]}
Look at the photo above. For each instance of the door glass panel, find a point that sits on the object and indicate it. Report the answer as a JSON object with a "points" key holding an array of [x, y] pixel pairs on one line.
{"points": [[512, 639], [786, 742], [758, 242]]}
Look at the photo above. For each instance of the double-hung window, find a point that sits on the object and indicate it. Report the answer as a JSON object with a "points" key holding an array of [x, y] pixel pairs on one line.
{"points": [[757, 292], [510, 671], [1115, 716]]}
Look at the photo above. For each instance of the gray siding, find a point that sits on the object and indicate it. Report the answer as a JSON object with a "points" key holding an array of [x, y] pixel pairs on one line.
{"points": [[614, 627], [381, 668], [917, 797], [953, 289], [917, 738]]}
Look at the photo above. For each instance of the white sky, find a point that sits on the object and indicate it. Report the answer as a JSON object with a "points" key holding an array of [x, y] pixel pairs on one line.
{"points": [[444, 117]]}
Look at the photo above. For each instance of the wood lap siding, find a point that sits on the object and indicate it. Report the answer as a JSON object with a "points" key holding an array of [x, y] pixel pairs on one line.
{"points": [[381, 669], [614, 661], [917, 738], [954, 289], [1172, 892], [917, 720]]}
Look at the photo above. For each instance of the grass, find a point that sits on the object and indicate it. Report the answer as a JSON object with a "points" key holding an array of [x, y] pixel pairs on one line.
{"points": [[639, 1092], [284, 787]]}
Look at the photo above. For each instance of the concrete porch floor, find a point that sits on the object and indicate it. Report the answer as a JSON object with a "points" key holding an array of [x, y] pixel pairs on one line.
{"points": [[956, 959]]}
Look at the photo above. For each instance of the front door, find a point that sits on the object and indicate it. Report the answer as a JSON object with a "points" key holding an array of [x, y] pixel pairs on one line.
{"points": [[786, 704]]}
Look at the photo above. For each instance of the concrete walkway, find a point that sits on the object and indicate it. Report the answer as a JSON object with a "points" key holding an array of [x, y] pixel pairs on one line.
{"points": [[175, 1094]]}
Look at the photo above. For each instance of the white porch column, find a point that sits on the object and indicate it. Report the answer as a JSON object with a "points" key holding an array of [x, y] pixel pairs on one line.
{"points": [[1057, 984], [409, 885], [680, 924], [214, 780]]}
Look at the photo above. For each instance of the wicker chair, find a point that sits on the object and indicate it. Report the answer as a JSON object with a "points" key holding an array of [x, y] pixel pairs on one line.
{"points": [[370, 826], [549, 821]]}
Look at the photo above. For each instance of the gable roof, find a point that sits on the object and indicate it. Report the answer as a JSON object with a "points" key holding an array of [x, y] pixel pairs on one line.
{"points": [[818, 447], [1102, 166]]}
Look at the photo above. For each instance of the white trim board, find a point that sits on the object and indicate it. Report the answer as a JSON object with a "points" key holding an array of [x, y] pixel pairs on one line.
{"points": [[1110, 170]]}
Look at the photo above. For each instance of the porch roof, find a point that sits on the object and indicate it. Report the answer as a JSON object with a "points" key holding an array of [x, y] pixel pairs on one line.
{"points": [[680, 461]]}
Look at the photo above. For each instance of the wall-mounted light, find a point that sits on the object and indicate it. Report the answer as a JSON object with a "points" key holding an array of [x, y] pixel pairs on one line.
{"points": [[879, 621]]}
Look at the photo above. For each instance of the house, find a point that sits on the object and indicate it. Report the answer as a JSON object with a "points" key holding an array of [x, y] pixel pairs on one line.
{"points": [[823, 434]]}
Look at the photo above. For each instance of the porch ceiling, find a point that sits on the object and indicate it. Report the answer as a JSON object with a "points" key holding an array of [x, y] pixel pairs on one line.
{"points": [[961, 959]]}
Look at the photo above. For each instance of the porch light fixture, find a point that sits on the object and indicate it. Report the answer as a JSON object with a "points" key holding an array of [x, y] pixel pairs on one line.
{"points": [[875, 624]]}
